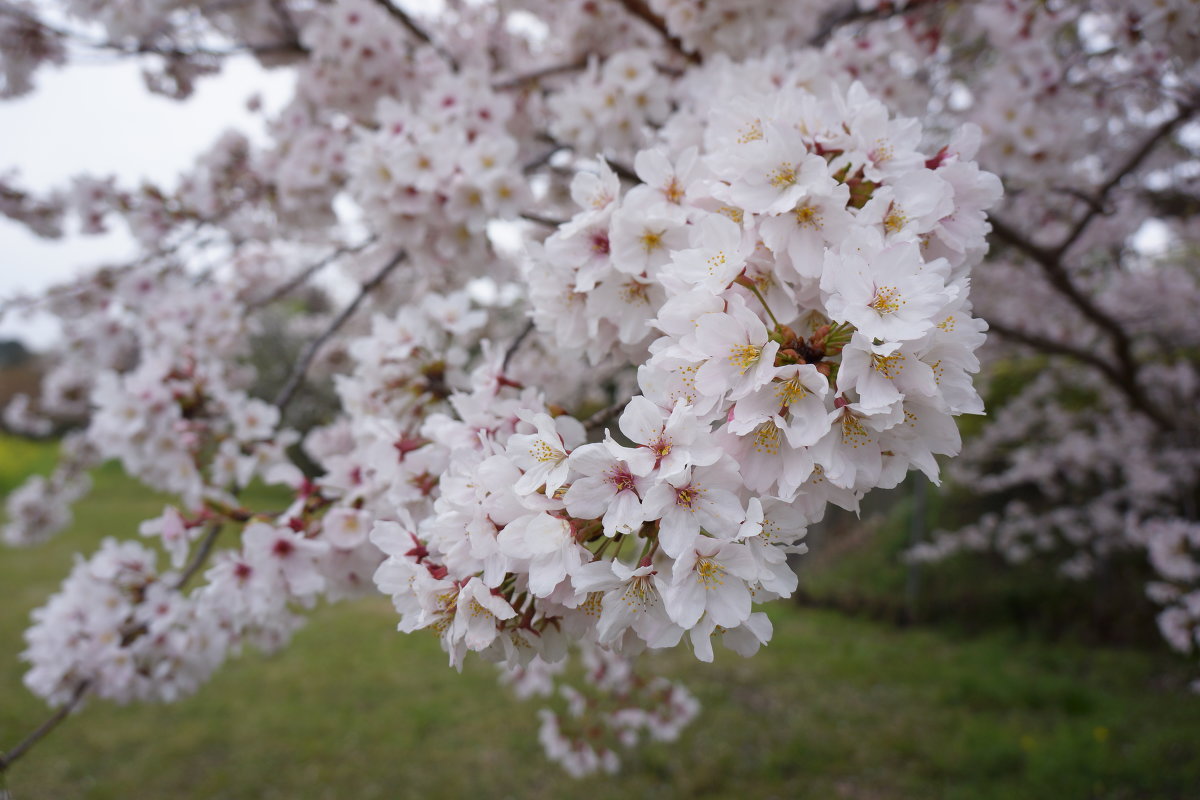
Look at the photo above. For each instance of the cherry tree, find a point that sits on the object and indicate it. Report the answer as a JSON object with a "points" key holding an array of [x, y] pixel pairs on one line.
{"points": [[641, 286]]}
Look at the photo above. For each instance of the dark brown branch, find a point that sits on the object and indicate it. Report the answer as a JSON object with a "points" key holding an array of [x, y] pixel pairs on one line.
{"points": [[604, 415], [543, 159], [1046, 345], [310, 352], [851, 14], [52, 722], [1099, 202], [402, 16], [516, 344], [540, 220], [1058, 277], [302, 278], [1124, 382], [532, 78], [623, 171], [286, 20], [200, 556], [292, 46], [642, 11]]}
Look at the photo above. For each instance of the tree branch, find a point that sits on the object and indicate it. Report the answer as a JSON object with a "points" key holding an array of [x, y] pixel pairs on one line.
{"points": [[1099, 202], [543, 159], [302, 278], [512, 348], [200, 556], [402, 16], [1124, 374], [306, 357], [642, 11], [604, 415], [291, 46], [851, 13], [1056, 274], [529, 78], [52, 722], [540, 220], [1125, 383]]}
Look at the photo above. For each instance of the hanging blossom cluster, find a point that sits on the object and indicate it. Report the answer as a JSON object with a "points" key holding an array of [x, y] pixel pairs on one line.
{"points": [[796, 275], [118, 624], [623, 708], [437, 171]]}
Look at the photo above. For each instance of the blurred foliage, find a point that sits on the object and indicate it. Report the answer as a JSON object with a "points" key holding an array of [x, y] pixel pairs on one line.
{"points": [[857, 566]]}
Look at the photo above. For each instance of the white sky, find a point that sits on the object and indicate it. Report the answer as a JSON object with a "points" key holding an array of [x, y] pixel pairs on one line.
{"points": [[97, 117]]}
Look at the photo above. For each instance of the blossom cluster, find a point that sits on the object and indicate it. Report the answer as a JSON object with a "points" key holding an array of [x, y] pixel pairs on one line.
{"points": [[804, 265]]}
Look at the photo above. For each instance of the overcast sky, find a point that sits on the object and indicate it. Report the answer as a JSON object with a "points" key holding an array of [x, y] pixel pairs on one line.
{"points": [[97, 117]]}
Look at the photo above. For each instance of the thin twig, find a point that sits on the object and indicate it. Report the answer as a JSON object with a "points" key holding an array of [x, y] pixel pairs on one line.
{"points": [[604, 415], [302, 277], [402, 16], [310, 352], [532, 78], [52, 722], [623, 171], [641, 10], [512, 348], [147, 48], [851, 13], [540, 220], [1099, 201], [200, 556], [543, 159], [1123, 381]]}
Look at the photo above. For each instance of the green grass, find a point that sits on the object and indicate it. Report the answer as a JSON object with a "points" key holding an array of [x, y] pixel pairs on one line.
{"points": [[835, 707], [858, 565]]}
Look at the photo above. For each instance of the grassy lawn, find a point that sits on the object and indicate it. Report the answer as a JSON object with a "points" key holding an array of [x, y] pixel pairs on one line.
{"points": [[835, 707]]}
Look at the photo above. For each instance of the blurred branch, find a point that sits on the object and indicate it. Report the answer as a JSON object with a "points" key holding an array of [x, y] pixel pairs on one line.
{"points": [[291, 46], [604, 415], [852, 13], [544, 158], [516, 344], [200, 556], [518, 81], [1124, 373], [52, 722], [1060, 279], [1124, 382], [300, 368], [302, 277], [540, 220], [403, 17], [642, 11], [1098, 204]]}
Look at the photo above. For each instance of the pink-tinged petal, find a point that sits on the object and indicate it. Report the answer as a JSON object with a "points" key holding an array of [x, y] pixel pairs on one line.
{"points": [[658, 500], [728, 602], [625, 515], [701, 637], [591, 459], [739, 561], [641, 421], [720, 512], [546, 573], [588, 498], [677, 531], [685, 603]]}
